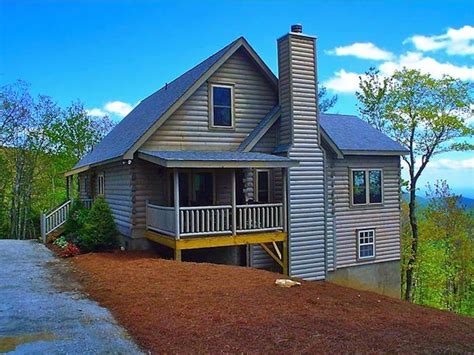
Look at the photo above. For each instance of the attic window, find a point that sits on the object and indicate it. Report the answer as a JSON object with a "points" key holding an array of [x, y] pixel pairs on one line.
{"points": [[221, 105]]}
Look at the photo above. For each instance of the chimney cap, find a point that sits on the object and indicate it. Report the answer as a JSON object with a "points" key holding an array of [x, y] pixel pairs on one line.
{"points": [[297, 28]]}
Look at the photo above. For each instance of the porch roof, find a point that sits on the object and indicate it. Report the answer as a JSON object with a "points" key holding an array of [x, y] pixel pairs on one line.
{"points": [[211, 159]]}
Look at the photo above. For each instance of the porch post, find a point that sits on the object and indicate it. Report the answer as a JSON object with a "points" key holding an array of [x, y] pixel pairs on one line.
{"points": [[68, 190], [176, 202], [234, 208], [284, 172], [286, 270]]}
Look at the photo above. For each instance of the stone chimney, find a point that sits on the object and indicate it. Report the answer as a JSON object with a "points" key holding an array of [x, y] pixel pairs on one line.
{"points": [[299, 137]]}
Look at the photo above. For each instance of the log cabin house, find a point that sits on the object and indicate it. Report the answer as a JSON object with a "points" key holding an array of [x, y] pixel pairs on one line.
{"points": [[229, 163]]}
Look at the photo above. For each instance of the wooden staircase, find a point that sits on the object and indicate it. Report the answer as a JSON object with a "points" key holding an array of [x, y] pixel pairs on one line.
{"points": [[53, 221]]}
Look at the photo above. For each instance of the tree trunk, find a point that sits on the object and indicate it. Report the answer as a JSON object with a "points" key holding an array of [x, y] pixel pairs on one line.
{"points": [[414, 244]]}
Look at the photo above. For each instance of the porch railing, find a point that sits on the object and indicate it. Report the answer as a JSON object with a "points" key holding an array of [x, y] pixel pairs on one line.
{"points": [[160, 219], [263, 217], [54, 219], [205, 220], [212, 220]]}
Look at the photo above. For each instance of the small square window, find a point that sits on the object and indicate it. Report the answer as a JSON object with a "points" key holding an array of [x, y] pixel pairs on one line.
{"points": [[366, 244], [221, 106]]}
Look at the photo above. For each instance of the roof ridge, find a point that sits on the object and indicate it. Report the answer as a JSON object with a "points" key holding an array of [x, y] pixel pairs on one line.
{"points": [[339, 114]]}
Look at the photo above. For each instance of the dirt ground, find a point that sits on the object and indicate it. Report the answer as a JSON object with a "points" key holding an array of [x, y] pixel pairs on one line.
{"points": [[186, 307]]}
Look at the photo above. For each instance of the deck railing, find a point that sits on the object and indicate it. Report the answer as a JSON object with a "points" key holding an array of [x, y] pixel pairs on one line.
{"points": [[54, 219], [212, 220], [205, 220], [262, 217], [160, 219], [87, 202]]}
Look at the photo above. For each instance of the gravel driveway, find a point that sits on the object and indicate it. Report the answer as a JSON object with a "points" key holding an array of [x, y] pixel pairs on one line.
{"points": [[42, 309]]}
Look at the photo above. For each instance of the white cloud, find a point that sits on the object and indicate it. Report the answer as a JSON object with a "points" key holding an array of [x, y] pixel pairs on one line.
{"points": [[365, 50], [452, 164], [454, 41], [97, 112], [118, 107], [343, 82], [416, 60], [112, 108], [348, 82]]}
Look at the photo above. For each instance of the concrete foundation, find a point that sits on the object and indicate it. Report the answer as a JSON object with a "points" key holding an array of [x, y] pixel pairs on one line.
{"points": [[383, 278], [134, 243]]}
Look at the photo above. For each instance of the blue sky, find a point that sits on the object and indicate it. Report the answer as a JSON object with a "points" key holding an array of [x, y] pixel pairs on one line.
{"points": [[112, 54]]}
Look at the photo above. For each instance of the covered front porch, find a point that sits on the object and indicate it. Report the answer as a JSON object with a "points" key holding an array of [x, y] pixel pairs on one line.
{"points": [[211, 200]]}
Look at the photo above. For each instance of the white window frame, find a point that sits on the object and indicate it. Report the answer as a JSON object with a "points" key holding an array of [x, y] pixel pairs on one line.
{"points": [[367, 187], [361, 234], [211, 105], [101, 184], [257, 171]]}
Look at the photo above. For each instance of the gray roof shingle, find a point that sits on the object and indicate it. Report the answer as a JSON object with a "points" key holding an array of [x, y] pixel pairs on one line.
{"points": [[164, 157], [351, 134], [125, 134], [213, 156]]}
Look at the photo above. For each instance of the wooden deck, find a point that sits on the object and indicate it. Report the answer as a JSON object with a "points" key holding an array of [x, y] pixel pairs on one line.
{"points": [[267, 240]]}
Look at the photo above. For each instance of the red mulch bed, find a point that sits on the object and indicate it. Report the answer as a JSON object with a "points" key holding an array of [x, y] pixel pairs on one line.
{"points": [[187, 307]]}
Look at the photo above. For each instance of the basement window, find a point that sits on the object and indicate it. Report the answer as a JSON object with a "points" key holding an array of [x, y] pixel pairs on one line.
{"points": [[367, 186], [366, 244], [221, 106]]}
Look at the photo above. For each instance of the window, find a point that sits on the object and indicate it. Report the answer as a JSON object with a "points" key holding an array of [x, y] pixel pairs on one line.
{"points": [[263, 186], [203, 189], [366, 186], [85, 184], [221, 106], [100, 184], [195, 189], [366, 243]]}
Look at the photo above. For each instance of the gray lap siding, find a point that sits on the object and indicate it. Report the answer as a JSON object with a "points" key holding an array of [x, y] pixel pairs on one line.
{"points": [[385, 218], [188, 127], [117, 192]]}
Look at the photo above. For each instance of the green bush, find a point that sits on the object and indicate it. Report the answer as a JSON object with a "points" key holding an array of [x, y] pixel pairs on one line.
{"points": [[73, 228], [99, 232]]}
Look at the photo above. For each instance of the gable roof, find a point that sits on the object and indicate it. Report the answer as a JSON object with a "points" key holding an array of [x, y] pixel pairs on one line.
{"points": [[259, 131], [125, 136], [347, 134], [352, 135]]}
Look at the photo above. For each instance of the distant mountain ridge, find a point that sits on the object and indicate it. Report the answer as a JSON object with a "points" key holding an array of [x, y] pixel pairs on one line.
{"points": [[423, 201]]}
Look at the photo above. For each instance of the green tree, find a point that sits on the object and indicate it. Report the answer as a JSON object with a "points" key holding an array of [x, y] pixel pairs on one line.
{"points": [[325, 102], [100, 232], [78, 132], [447, 230], [425, 115], [39, 141]]}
